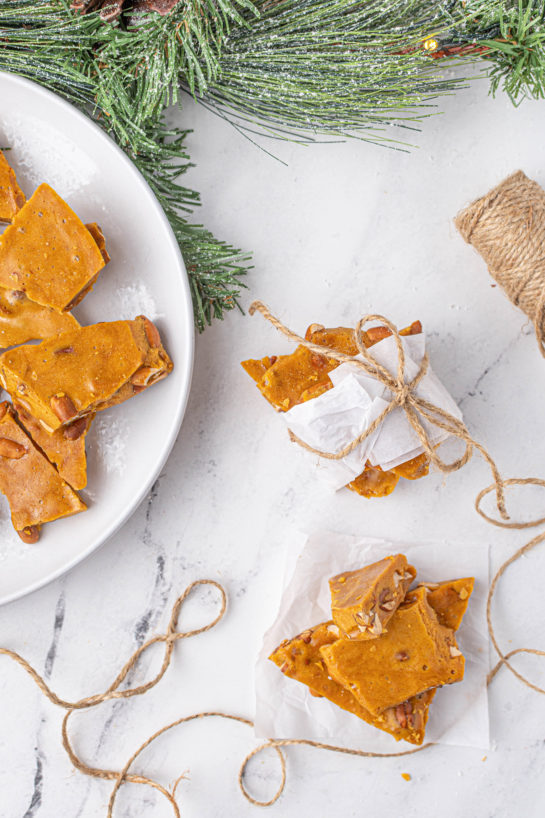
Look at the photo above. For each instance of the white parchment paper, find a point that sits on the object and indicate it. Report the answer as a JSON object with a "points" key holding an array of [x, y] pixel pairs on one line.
{"points": [[332, 420], [285, 708]]}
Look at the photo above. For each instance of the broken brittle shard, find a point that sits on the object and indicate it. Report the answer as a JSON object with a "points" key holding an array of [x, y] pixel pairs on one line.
{"points": [[22, 320], [364, 601], [300, 659], [78, 373], [448, 599], [65, 447], [12, 197], [49, 254], [36, 492]]}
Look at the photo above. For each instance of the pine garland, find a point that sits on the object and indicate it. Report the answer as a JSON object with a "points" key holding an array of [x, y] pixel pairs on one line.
{"points": [[335, 67], [294, 69]]}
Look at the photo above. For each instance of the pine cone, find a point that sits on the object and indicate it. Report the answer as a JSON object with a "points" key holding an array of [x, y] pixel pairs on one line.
{"points": [[111, 9]]}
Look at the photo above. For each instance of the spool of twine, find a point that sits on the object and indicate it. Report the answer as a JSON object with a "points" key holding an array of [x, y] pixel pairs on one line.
{"points": [[507, 227]]}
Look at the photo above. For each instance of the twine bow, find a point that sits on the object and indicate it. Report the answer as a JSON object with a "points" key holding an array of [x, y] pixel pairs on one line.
{"points": [[404, 395]]}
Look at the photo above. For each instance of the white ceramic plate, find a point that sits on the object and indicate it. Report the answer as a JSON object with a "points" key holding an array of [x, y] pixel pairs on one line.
{"points": [[127, 446]]}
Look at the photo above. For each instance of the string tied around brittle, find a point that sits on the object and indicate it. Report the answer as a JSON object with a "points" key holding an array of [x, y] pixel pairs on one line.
{"points": [[404, 395]]}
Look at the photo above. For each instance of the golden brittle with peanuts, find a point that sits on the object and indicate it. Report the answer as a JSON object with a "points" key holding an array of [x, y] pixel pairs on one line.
{"points": [[85, 370], [49, 254], [415, 654], [49, 260], [300, 659], [65, 447], [36, 492], [364, 601], [288, 380], [388, 681]]}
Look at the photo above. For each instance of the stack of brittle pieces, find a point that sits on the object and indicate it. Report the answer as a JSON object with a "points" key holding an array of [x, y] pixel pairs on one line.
{"points": [[49, 261], [386, 649], [288, 380]]}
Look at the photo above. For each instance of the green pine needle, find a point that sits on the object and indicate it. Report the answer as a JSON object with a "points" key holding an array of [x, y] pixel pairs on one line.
{"points": [[518, 55]]}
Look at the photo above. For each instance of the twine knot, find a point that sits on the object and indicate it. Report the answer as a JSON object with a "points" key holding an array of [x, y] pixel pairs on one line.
{"points": [[402, 394]]}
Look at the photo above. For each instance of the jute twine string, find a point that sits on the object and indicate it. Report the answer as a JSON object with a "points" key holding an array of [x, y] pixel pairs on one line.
{"points": [[169, 638], [404, 396], [507, 227]]}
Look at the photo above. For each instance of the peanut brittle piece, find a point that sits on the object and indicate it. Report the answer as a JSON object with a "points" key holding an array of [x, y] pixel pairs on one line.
{"points": [[48, 253], [448, 599], [416, 654], [288, 380], [374, 482], [364, 601], [22, 320], [65, 448], [36, 492], [413, 469], [291, 375], [341, 339], [12, 197], [301, 660], [256, 368], [84, 371]]}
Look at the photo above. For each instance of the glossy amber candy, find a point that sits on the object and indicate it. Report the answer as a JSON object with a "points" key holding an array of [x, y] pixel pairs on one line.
{"points": [[374, 482], [288, 380], [22, 320], [448, 599], [36, 492], [301, 660], [12, 197], [364, 601], [84, 371], [413, 469], [65, 448], [414, 655], [289, 376], [48, 253]]}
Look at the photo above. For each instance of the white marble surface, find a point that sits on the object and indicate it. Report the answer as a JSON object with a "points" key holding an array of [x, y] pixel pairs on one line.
{"points": [[339, 230]]}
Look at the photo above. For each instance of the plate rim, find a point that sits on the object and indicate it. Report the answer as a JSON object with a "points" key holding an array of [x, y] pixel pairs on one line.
{"points": [[183, 395]]}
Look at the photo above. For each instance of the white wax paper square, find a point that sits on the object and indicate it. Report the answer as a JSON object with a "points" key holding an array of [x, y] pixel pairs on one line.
{"points": [[332, 420], [286, 709]]}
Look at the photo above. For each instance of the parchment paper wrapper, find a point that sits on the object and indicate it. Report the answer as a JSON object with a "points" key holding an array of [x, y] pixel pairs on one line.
{"points": [[332, 420], [286, 709]]}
